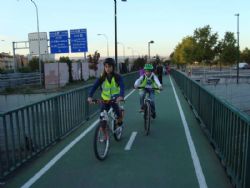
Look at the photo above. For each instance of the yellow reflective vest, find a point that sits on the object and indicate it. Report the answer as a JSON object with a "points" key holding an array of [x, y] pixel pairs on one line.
{"points": [[109, 89], [148, 81]]}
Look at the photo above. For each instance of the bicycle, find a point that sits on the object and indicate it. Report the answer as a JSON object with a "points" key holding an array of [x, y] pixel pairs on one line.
{"points": [[147, 109], [105, 129]]}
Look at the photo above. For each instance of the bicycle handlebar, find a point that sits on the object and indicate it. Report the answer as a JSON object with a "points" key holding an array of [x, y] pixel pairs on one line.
{"points": [[148, 88], [101, 101]]}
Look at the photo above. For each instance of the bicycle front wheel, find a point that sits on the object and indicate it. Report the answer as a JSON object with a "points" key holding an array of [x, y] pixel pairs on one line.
{"points": [[147, 116], [101, 141]]}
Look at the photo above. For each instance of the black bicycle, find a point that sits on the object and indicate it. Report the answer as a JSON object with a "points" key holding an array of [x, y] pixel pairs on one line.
{"points": [[147, 109], [106, 127]]}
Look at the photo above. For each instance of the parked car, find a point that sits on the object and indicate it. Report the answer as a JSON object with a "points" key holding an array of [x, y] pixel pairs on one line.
{"points": [[242, 65]]}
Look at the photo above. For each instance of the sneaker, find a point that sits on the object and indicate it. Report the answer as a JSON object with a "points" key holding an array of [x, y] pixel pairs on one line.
{"points": [[118, 123], [153, 115]]}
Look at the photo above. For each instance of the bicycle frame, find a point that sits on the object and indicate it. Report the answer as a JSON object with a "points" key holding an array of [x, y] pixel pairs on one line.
{"points": [[109, 118], [147, 109]]}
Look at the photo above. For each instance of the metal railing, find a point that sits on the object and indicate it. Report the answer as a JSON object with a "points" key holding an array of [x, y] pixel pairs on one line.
{"points": [[27, 131], [13, 80], [227, 128]]}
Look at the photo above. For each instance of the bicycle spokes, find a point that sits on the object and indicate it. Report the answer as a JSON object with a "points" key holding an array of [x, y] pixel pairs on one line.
{"points": [[101, 142]]}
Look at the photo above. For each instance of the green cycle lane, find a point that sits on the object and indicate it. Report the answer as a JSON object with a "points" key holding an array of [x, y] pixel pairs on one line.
{"points": [[162, 159]]}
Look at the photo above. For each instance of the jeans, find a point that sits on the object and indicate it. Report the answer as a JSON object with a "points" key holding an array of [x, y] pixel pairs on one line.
{"points": [[151, 95], [115, 107]]}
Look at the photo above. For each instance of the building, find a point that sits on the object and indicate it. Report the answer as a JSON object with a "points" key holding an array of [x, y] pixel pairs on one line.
{"points": [[6, 61]]}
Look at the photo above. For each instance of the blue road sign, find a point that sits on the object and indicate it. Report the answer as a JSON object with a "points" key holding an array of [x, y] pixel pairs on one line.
{"points": [[78, 40], [59, 42]]}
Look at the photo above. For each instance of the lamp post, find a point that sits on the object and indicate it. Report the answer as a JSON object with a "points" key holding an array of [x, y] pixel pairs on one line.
{"points": [[117, 66], [238, 47], [123, 49], [39, 51], [150, 42], [107, 42]]}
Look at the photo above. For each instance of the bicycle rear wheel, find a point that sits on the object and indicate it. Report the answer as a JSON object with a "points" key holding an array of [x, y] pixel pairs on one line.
{"points": [[101, 141], [147, 117]]}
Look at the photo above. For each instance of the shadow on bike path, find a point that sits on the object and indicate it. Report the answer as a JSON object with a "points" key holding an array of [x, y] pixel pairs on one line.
{"points": [[161, 159]]}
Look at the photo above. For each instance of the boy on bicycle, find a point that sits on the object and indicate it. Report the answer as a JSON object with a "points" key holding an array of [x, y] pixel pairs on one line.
{"points": [[148, 81], [112, 88]]}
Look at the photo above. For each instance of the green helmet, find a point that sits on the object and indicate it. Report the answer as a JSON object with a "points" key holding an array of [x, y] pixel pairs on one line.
{"points": [[148, 67]]}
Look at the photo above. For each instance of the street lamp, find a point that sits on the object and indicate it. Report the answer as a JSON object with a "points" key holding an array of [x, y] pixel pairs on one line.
{"points": [[123, 49], [107, 42], [39, 52], [238, 47], [150, 42], [117, 66]]}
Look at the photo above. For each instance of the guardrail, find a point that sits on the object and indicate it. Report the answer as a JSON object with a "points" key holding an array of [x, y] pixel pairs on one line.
{"points": [[29, 130], [227, 128], [19, 79]]}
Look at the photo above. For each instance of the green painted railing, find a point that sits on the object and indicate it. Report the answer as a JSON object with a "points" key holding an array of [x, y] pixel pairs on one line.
{"points": [[227, 128], [27, 131]]}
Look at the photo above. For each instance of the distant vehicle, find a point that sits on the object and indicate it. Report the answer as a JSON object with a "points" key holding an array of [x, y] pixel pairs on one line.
{"points": [[242, 65]]}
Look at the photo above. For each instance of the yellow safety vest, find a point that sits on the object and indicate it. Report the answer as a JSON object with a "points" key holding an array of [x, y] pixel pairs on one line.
{"points": [[109, 89], [148, 81]]}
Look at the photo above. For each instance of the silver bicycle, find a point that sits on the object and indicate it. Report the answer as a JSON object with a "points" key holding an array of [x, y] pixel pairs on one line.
{"points": [[106, 127]]}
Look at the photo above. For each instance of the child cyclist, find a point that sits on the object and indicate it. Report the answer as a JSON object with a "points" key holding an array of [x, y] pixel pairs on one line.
{"points": [[112, 88], [149, 80]]}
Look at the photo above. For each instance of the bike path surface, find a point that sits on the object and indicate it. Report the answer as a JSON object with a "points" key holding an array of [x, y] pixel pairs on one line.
{"points": [[162, 159]]}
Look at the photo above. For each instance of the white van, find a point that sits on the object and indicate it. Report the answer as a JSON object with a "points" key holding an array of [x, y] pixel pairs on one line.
{"points": [[242, 65]]}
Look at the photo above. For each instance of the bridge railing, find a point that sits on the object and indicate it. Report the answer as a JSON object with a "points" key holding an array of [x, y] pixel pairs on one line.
{"points": [[29, 130], [227, 128]]}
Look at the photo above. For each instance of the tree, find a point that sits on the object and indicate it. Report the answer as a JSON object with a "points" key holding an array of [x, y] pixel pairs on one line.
{"points": [[245, 55], [228, 49], [34, 64], [185, 52], [206, 42], [69, 63], [93, 61], [139, 63]]}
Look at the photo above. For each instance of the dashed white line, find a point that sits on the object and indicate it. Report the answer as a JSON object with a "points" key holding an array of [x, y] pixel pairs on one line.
{"points": [[41, 172], [131, 140]]}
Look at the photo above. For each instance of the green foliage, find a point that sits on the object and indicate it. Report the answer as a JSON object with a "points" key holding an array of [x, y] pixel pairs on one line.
{"points": [[206, 42], [139, 63], [185, 52], [227, 49], [69, 63], [34, 64], [245, 55], [25, 69], [93, 60], [204, 47], [1, 71]]}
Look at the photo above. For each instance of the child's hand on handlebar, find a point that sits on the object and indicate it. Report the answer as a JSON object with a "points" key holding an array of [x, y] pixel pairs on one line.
{"points": [[120, 98], [90, 100]]}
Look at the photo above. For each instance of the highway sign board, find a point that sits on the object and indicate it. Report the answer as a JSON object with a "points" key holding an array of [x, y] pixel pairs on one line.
{"points": [[78, 40], [59, 42]]}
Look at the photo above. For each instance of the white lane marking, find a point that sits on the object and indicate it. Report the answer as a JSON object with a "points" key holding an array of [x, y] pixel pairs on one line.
{"points": [[131, 140], [198, 170], [41, 172], [57, 157], [129, 94]]}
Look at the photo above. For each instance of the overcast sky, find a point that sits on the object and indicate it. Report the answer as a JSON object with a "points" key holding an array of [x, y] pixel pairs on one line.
{"points": [[138, 21]]}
